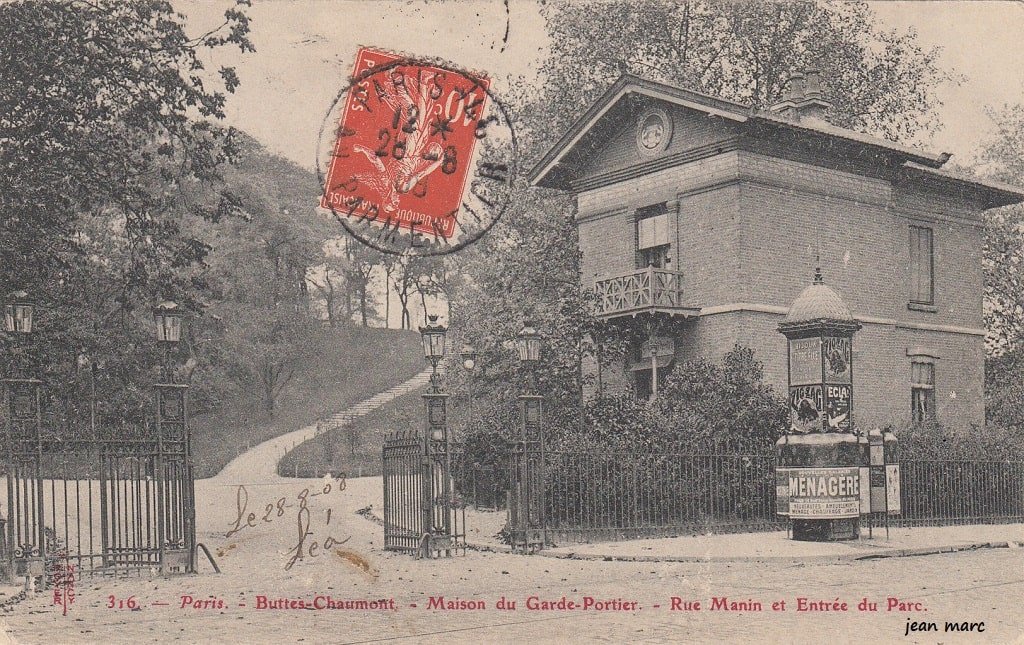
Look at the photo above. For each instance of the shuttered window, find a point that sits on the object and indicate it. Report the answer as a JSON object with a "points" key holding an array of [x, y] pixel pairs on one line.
{"points": [[652, 236], [922, 265], [922, 391]]}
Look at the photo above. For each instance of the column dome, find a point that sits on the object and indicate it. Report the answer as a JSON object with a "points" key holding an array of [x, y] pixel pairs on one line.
{"points": [[818, 305]]}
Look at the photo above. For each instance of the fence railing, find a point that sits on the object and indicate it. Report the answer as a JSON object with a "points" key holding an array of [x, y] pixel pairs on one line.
{"points": [[648, 288], [960, 492], [599, 496], [614, 496]]}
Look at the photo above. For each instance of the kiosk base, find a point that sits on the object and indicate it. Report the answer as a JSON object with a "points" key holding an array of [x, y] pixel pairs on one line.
{"points": [[826, 530]]}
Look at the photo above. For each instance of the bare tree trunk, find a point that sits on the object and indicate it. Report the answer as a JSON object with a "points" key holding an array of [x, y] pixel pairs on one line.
{"points": [[423, 300], [362, 303], [387, 296], [329, 300], [403, 297]]}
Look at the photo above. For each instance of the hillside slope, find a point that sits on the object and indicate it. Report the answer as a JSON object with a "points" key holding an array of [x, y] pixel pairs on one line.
{"points": [[355, 447], [354, 364]]}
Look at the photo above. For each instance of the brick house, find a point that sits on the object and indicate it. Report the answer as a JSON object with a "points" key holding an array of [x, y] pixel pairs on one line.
{"points": [[701, 220]]}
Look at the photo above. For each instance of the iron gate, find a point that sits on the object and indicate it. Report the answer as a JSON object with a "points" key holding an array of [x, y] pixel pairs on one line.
{"points": [[118, 499], [421, 512]]}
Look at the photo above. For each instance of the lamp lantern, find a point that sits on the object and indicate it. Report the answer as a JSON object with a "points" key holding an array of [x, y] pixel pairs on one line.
{"points": [[528, 344], [168, 317], [468, 356], [18, 313], [433, 340]]}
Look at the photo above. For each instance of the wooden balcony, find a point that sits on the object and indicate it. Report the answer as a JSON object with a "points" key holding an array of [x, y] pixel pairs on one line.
{"points": [[647, 290]]}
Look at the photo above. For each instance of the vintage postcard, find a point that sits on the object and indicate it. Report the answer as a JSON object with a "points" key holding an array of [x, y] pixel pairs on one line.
{"points": [[511, 321]]}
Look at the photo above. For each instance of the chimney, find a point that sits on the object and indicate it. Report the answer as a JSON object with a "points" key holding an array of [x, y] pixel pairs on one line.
{"points": [[803, 99]]}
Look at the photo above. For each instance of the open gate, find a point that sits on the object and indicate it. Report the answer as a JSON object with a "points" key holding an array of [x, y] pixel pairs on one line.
{"points": [[421, 514], [116, 500]]}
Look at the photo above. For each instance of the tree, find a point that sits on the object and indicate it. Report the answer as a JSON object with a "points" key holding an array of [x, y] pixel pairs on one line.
{"points": [[1003, 262], [106, 114], [1003, 159], [527, 267], [257, 274], [362, 262], [416, 275], [329, 281], [877, 80]]}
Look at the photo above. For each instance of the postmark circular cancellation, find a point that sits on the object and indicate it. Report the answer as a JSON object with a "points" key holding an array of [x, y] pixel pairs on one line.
{"points": [[423, 156]]}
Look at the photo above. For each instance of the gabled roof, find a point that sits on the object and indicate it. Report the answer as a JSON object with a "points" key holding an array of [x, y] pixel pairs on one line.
{"points": [[629, 84], [548, 173]]}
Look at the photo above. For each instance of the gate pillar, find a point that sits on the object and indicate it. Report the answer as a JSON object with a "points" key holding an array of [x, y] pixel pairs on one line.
{"points": [[528, 516], [173, 470], [436, 477], [26, 528], [177, 523]]}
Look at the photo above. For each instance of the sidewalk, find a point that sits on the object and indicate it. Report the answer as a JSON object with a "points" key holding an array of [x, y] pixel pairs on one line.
{"points": [[482, 528], [745, 547]]}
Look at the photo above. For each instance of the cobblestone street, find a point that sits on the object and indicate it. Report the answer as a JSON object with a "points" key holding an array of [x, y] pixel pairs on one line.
{"points": [[975, 586]]}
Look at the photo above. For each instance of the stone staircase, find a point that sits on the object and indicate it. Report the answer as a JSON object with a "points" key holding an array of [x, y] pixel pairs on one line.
{"points": [[369, 405], [259, 463]]}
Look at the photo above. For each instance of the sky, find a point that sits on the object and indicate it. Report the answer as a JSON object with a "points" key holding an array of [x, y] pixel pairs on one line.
{"points": [[305, 50]]}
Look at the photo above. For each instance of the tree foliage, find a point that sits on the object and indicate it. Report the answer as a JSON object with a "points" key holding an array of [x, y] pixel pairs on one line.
{"points": [[877, 79], [1003, 159], [256, 274], [106, 114], [1003, 259]]}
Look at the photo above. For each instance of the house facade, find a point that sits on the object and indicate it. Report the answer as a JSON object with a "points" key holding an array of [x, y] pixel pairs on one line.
{"points": [[700, 220]]}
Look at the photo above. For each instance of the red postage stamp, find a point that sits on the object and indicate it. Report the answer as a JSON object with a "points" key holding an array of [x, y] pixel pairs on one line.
{"points": [[405, 143]]}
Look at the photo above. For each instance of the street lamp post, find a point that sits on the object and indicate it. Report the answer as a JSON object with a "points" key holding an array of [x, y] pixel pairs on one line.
{"points": [[436, 520], [531, 446], [26, 541], [173, 470]]}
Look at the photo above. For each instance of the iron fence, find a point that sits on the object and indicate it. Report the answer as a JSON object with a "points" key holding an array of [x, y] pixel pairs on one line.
{"points": [[107, 497], [939, 492], [423, 513], [619, 495], [598, 496]]}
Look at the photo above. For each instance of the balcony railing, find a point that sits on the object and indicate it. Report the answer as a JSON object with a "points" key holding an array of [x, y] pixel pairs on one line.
{"points": [[643, 290]]}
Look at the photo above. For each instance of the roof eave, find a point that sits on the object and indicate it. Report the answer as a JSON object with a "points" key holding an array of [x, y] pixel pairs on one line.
{"points": [[626, 84], [928, 159], [992, 194]]}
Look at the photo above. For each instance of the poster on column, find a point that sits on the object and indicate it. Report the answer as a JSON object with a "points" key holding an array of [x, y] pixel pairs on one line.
{"points": [[837, 408], [805, 361], [838, 358], [805, 408]]}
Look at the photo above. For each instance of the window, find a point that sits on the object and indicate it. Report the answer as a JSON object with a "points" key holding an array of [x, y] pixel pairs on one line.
{"points": [[655, 256], [642, 381], [661, 350], [922, 392], [652, 236], [922, 265]]}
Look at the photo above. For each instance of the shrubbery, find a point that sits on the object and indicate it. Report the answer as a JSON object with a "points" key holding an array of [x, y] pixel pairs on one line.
{"points": [[702, 407], [932, 441], [626, 462]]}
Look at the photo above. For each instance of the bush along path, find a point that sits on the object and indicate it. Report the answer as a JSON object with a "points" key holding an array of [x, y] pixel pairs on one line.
{"points": [[260, 463]]}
